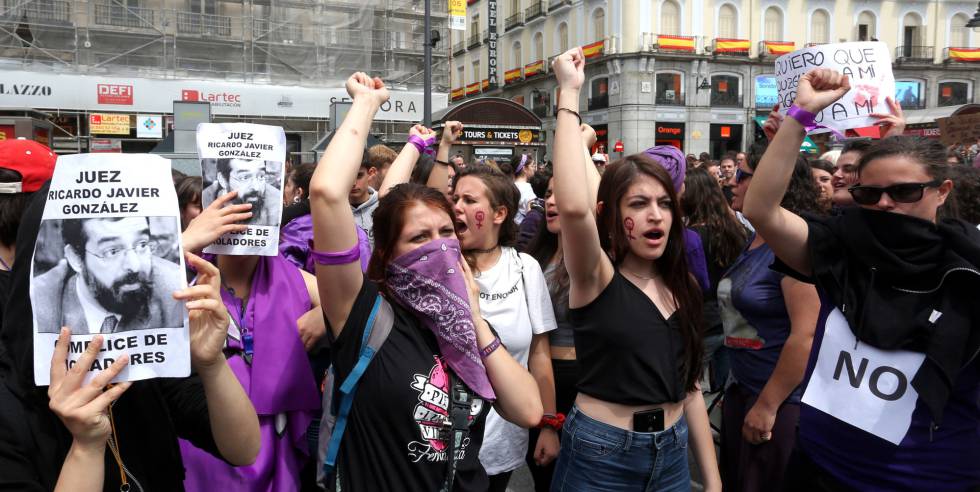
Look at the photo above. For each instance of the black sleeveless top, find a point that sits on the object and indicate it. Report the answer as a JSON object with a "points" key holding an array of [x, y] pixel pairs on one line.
{"points": [[627, 352]]}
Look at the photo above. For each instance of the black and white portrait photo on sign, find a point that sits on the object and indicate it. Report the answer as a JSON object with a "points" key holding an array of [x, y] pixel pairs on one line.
{"points": [[117, 274], [247, 159], [107, 262]]}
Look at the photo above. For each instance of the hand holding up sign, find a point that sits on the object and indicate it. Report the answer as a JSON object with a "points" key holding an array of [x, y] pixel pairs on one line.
{"points": [[215, 221], [569, 69], [771, 126], [208, 315], [361, 86], [84, 408], [893, 123], [820, 88]]}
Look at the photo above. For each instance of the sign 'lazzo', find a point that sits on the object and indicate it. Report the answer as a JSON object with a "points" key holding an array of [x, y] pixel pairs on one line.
{"points": [[248, 159], [867, 65], [107, 261]]}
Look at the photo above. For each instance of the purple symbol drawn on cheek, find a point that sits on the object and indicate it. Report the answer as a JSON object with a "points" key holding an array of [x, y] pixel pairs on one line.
{"points": [[628, 224], [480, 216]]}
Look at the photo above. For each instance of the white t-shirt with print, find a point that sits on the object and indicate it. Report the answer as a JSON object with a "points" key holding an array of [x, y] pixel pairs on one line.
{"points": [[516, 317], [527, 194]]}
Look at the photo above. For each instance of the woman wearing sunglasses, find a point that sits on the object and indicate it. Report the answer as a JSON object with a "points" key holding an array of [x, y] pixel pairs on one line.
{"points": [[768, 320], [891, 388]]}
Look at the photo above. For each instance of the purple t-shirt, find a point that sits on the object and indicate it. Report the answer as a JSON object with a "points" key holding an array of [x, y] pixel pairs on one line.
{"points": [[944, 458], [753, 312], [696, 263]]}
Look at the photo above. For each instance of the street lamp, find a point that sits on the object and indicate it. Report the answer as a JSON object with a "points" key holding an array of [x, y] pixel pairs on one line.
{"points": [[975, 21]]}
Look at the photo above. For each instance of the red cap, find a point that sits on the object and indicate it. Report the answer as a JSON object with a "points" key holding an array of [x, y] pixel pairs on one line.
{"points": [[34, 162]]}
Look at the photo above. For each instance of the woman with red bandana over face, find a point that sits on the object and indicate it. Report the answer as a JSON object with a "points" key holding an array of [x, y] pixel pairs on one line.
{"points": [[440, 351], [890, 398], [636, 312]]}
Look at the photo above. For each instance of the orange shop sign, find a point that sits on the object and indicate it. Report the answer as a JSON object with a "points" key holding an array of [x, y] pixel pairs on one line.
{"points": [[108, 124]]}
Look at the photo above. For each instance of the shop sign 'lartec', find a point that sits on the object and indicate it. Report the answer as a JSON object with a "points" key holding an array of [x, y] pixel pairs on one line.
{"points": [[108, 124]]}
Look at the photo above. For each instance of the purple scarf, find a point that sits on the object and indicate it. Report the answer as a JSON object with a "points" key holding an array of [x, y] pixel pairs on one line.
{"points": [[294, 240], [428, 281], [279, 380]]}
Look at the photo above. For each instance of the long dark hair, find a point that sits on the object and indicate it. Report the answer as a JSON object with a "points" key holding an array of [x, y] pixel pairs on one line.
{"points": [[389, 220], [802, 194], [672, 265], [543, 248], [705, 205]]}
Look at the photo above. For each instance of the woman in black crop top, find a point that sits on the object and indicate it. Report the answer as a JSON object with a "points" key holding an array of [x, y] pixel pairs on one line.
{"points": [[396, 435], [636, 311]]}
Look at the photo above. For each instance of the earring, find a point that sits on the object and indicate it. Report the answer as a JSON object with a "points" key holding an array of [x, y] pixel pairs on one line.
{"points": [[296, 199]]}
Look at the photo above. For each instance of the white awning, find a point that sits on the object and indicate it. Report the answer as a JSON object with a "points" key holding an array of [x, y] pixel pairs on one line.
{"points": [[922, 116]]}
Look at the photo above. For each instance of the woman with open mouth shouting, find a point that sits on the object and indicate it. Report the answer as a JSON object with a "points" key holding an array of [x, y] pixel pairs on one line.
{"points": [[636, 312], [514, 299]]}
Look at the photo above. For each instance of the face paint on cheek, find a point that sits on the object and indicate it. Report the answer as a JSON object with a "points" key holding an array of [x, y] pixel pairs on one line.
{"points": [[480, 216], [628, 224]]}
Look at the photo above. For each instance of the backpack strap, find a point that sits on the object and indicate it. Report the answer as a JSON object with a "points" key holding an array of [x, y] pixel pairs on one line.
{"points": [[376, 331], [459, 421]]}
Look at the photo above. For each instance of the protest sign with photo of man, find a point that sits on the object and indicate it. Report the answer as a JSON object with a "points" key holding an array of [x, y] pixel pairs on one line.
{"points": [[109, 264], [247, 159]]}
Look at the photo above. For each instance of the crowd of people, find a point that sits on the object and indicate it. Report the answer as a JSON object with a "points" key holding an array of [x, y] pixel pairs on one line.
{"points": [[432, 324]]}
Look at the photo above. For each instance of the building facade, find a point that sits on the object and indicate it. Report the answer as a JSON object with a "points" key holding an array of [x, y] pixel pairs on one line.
{"points": [[279, 62], [698, 73]]}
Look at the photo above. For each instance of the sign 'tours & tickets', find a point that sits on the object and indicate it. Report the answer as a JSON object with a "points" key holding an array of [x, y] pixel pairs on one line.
{"points": [[867, 65], [107, 261], [247, 159]]}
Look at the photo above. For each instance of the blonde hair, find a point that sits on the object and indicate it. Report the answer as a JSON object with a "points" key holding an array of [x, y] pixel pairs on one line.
{"points": [[831, 156]]}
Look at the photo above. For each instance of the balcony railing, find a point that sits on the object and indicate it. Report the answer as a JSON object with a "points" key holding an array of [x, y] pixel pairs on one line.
{"points": [[598, 102], [459, 47], [667, 43], [203, 24], [474, 40], [113, 14], [961, 55], [909, 52], [281, 32], [514, 21], [557, 4], [534, 11], [775, 49], [669, 100], [725, 100], [730, 47], [46, 12]]}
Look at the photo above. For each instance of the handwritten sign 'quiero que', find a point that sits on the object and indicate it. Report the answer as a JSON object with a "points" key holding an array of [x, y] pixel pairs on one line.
{"points": [[868, 65]]}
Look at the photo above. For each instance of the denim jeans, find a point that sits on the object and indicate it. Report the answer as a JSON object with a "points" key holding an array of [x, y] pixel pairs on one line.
{"points": [[599, 457]]}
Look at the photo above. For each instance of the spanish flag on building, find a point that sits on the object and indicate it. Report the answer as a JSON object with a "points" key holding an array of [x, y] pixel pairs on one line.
{"points": [[512, 76], [732, 45], [472, 88], [593, 50], [676, 43], [965, 54], [779, 47], [457, 94], [535, 68], [485, 84]]}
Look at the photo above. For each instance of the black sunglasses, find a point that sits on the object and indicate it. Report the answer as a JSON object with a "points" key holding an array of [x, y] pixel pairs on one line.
{"points": [[901, 193], [740, 175]]}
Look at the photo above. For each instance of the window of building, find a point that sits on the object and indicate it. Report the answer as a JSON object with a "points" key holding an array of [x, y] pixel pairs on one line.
{"points": [[475, 25], [866, 28], [954, 93], [460, 76], [599, 93], [908, 93], [476, 71], [518, 60], [820, 26], [538, 46], [912, 35], [515, 7], [727, 22], [670, 18], [774, 24], [562, 38], [670, 89], [202, 6], [540, 102], [599, 25], [766, 94], [725, 90], [959, 34]]}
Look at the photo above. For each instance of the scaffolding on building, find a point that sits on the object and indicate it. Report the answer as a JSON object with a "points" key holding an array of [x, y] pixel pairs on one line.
{"points": [[282, 42]]}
